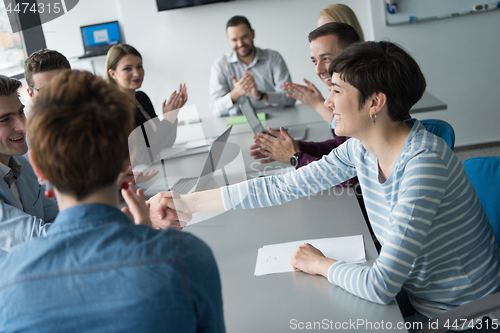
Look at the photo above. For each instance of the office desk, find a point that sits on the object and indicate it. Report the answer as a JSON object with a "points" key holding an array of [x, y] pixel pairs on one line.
{"points": [[271, 303], [297, 115], [276, 117], [428, 103]]}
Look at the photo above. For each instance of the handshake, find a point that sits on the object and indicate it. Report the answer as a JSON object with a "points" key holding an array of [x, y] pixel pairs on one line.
{"points": [[164, 210]]}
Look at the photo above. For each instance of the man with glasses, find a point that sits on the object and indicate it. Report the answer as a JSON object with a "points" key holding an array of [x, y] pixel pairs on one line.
{"points": [[41, 67], [39, 70]]}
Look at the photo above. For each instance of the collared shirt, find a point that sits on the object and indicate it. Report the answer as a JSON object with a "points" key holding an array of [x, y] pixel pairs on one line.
{"points": [[96, 271], [4, 169], [269, 71]]}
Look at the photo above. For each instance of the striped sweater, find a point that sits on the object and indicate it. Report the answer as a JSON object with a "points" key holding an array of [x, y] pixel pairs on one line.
{"points": [[437, 243]]}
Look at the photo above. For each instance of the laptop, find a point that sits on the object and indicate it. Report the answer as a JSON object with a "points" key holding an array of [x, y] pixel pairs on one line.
{"points": [[296, 132], [188, 185], [99, 38]]}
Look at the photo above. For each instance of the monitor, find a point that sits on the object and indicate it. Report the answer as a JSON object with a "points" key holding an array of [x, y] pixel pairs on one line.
{"points": [[174, 4], [99, 38]]}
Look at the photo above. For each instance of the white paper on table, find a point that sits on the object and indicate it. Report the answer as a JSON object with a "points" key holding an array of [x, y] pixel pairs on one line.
{"points": [[276, 258]]}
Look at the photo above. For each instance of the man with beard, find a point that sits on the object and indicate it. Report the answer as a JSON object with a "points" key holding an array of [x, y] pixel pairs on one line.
{"points": [[248, 70]]}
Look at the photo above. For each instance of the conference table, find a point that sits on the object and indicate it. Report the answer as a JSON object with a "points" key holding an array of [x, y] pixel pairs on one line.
{"points": [[299, 115], [290, 301]]}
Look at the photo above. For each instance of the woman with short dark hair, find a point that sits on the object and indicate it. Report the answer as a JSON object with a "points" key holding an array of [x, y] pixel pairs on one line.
{"points": [[437, 243]]}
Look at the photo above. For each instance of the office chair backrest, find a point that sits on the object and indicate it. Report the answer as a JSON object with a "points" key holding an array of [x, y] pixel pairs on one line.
{"points": [[442, 129], [484, 174]]}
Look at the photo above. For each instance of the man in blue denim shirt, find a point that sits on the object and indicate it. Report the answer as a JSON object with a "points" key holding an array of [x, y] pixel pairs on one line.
{"points": [[96, 271]]}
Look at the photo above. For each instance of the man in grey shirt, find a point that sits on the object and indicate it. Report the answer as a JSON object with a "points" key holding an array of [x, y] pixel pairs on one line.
{"points": [[248, 70]]}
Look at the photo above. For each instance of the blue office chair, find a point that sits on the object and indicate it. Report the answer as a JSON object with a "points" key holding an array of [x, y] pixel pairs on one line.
{"points": [[484, 174], [442, 129]]}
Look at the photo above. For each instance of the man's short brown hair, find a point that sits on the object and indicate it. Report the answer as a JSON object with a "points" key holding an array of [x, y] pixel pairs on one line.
{"points": [[237, 20], [346, 34], [43, 61], [8, 85], [78, 132]]}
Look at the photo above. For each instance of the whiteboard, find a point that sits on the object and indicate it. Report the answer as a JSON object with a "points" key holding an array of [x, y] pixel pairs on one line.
{"points": [[415, 11]]}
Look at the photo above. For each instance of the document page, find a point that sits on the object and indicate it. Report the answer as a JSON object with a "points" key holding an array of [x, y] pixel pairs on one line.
{"points": [[276, 258]]}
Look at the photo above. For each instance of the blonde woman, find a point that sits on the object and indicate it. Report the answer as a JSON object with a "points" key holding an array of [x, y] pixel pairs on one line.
{"points": [[338, 12]]}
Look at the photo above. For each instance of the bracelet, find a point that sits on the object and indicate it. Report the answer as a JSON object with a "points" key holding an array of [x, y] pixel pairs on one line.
{"points": [[261, 96]]}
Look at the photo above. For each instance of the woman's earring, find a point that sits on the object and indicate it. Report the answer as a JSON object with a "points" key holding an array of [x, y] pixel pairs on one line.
{"points": [[373, 117], [49, 192]]}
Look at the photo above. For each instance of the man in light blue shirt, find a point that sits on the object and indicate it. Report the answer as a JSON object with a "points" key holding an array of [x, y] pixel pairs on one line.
{"points": [[248, 70]]}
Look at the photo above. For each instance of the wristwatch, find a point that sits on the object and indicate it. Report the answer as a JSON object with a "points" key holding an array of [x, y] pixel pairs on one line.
{"points": [[294, 160]]}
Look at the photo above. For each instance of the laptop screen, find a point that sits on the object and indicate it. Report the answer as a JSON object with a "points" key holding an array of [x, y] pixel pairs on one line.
{"points": [[213, 158], [99, 38], [215, 153], [249, 112]]}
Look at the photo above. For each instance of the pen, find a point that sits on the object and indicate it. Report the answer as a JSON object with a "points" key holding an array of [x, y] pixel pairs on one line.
{"points": [[485, 7]]}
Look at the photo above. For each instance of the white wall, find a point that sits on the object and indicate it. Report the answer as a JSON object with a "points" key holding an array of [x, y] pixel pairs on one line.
{"points": [[459, 58], [180, 45]]}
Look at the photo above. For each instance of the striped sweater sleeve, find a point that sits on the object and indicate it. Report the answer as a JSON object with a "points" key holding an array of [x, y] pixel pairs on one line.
{"points": [[417, 200], [320, 175]]}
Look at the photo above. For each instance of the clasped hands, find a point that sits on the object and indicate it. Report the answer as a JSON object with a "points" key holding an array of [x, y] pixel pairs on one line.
{"points": [[279, 146], [245, 85]]}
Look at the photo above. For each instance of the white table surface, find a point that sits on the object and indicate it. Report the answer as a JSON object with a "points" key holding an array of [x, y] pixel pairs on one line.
{"points": [[271, 303]]}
